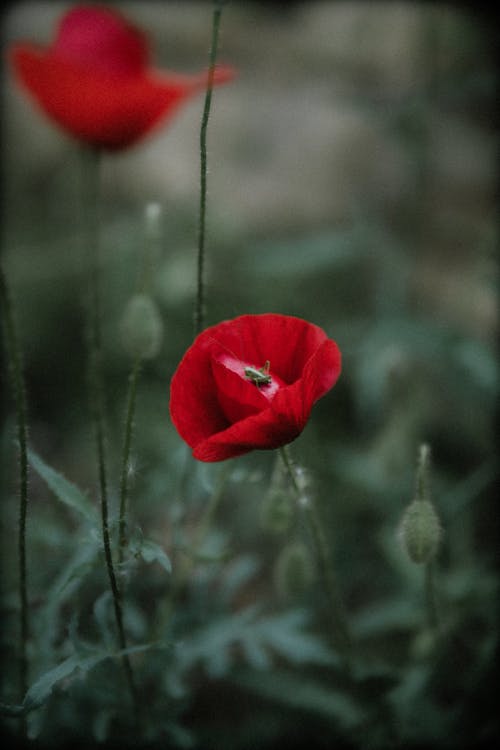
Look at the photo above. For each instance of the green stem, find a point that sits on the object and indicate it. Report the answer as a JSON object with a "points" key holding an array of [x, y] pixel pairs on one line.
{"points": [[96, 391], [430, 596], [199, 313], [132, 391], [340, 631], [16, 372]]}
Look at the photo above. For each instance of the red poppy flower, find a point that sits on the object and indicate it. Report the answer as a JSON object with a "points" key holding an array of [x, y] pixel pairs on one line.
{"points": [[95, 82], [251, 383]]}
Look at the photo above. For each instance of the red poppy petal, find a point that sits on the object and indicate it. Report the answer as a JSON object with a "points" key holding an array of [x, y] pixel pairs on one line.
{"points": [[222, 415], [105, 111], [286, 341], [238, 398], [320, 374], [264, 430], [286, 416], [99, 39], [194, 407]]}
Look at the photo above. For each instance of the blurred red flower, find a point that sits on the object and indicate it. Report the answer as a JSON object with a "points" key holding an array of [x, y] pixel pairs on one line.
{"points": [[250, 383], [95, 80]]}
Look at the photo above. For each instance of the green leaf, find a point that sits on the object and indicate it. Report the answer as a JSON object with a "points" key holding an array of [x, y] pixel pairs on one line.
{"points": [[65, 491], [394, 614], [259, 638], [42, 688], [304, 694], [152, 552], [285, 635]]}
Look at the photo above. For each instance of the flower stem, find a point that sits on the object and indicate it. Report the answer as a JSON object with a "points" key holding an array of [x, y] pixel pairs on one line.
{"points": [[132, 391], [199, 313], [430, 596], [16, 372], [91, 192], [340, 631]]}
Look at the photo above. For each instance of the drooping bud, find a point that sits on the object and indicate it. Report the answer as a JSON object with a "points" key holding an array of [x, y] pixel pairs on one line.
{"points": [[142, 327], [294, 571], [420, 529]]}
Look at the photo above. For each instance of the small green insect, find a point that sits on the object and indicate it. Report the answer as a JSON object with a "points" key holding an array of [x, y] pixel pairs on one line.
{"points": [[260, 376]]}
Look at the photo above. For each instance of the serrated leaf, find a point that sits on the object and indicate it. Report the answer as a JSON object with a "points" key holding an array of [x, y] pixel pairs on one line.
{"points": [[65, 491], [259, 637]]}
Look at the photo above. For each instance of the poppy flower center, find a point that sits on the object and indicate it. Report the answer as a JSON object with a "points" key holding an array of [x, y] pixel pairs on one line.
{"points": [[259, 379]]}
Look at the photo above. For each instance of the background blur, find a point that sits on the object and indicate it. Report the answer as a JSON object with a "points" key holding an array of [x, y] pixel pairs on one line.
{"points": [[353, 182]]}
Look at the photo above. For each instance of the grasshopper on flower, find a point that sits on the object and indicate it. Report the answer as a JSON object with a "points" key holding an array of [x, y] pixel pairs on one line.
{"points": [[259, 376]]}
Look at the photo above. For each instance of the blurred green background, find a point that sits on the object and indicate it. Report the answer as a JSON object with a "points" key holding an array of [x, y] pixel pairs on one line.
{"points": [[353, 182]]}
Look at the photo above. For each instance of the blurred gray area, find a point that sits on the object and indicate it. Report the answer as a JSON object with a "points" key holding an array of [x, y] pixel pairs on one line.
{"points": [[340, 110]]}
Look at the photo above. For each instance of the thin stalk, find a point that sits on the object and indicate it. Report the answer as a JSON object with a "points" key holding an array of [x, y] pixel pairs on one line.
{"points": [[430, 596], [199, 313], [129, 421], [340, 631], [96, 392], [16, 372]]}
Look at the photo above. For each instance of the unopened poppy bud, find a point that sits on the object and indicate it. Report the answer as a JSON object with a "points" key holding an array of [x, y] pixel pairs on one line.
{"points": [[142, 327], [420, 529], [294, 570]]}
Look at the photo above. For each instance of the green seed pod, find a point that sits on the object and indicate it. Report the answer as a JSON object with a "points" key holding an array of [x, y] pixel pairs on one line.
{"points": [[142, 327], [420, 531], [294, 571]]}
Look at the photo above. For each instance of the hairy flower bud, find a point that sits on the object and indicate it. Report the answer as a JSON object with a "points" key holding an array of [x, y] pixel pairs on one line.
{"points": [[294, 570], [142, 327], [420, 529]]}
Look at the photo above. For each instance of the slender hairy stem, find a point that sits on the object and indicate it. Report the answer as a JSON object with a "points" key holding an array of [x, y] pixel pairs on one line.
{"points": [[129, 420], [199, 313], [430, 597], [16, 372], [340, 632], [96, 390]]}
